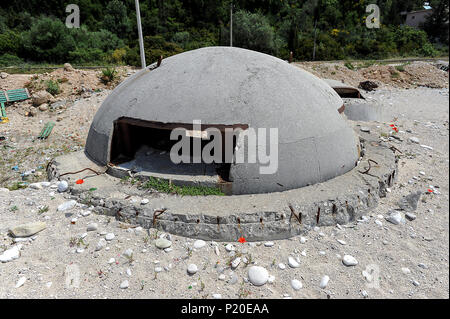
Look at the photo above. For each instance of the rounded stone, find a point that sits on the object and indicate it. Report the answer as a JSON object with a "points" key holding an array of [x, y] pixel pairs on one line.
{"points": [[109, 236], [92, 227], [192, 269], [62, 186], [296, 284], [243, 87], [199, 244], [293, 263], [124, 284], [324, 282], [258, 275], [163, 243], [349, 260]]}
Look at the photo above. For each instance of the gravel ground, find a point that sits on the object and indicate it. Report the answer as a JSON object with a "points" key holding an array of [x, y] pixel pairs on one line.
{"points": [[409, 260]]}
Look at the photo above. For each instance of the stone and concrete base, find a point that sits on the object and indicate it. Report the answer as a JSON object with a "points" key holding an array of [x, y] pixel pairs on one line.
{"points": [[256, 217]]}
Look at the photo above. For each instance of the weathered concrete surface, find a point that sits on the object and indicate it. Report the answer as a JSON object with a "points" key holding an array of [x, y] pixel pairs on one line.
{"points": [[256, 217], [222, 85], [362, 110]]}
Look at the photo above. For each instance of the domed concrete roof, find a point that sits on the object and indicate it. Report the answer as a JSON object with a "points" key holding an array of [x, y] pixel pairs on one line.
{"points": [[229, 86]]}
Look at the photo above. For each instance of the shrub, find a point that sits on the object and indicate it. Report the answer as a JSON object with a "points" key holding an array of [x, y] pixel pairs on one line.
{"points": [[108, 75], [86, 55], [155, 46], [118, 56], [53, 87], [10, 60], [132, 56]]}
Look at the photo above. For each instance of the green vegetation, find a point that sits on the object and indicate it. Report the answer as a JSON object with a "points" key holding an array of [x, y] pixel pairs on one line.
{"points": [[34, 31], [53, 87], [164, 186], [43, 210], [108, 75]]}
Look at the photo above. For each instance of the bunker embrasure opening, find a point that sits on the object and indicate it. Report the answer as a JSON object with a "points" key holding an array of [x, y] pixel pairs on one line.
{"points": [[146, 146]]}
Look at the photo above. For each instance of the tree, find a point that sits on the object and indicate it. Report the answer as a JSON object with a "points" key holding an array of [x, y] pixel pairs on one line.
{"points": [[252, 31], [48, 40], [116, 19], [436, 24]]}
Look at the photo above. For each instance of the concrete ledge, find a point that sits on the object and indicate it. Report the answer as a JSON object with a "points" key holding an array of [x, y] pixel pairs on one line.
{"points": [[226, 218]]}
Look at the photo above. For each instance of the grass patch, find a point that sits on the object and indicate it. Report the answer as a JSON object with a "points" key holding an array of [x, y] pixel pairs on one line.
{"points": [[53, 87], [164, 186], [395, 75], [16, 186], [43, 210], [349, 65]]}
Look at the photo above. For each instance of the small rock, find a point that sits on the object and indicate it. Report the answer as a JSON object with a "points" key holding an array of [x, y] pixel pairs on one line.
{"points": [[27, 230], [68, 67], [36, 186], [282, 266], [92, 227], [349, 260], [128, 253], [229, 247], [410, 216], [163, 243], [406, 271], [296, 284], [11, 254], [21, 281], [342, 242], [63, 186], [109, 236], [365, 129], [217, 296], [394, 218], [409, 202], [145, 201], [199, 244], [324, 282], [111, 261], [235, 262], [269, 244], [67, 205], [158, 269], [303, 240], [43, 107], [257, 275], [414, 139], [293, 263], [101, 244], [192, 269], [85, 213], [124, 284], [41, 97]]}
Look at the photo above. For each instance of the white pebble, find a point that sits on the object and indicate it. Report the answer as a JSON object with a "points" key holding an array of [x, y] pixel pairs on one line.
{"points": [[296, 284]]}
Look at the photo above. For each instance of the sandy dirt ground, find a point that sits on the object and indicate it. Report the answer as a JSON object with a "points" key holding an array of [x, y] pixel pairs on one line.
{"points": [[409, 260]]}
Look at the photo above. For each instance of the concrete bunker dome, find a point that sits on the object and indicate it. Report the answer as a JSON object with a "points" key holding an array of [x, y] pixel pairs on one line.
{"points": [[232, 87]]}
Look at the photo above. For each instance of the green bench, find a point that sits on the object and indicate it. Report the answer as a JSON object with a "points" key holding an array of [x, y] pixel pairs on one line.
{"points": [[45, 132], [11, 96]]}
